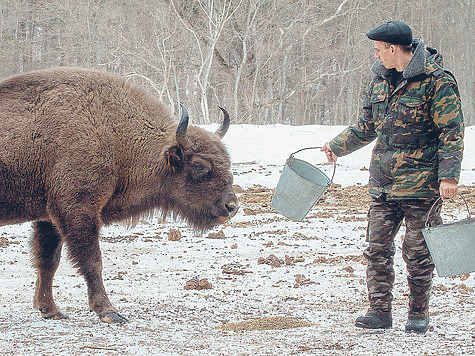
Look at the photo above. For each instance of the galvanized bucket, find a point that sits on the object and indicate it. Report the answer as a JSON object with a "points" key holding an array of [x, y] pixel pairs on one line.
{"points": [[300, 186], [452, 246]]}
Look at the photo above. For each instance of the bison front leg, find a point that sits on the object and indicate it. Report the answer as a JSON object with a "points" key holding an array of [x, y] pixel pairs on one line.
{"points": [[81, 233], [46, 246]]}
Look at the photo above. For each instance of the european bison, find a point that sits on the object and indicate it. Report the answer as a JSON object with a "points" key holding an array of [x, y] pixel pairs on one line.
{"points": [[82, 148]]}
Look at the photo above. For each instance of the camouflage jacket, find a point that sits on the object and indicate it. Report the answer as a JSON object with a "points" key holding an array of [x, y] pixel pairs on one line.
{"points": [[418, 125]]}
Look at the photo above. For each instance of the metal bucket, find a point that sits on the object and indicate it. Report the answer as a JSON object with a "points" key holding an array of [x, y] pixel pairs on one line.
{"points": [[452, 246], [300, 186]]}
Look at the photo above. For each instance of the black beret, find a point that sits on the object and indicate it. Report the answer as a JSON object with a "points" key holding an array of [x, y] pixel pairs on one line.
{"points": [[396, 32]]}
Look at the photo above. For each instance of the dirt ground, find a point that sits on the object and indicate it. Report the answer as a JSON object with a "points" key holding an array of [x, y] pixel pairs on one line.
{"points": [[260, 285]]}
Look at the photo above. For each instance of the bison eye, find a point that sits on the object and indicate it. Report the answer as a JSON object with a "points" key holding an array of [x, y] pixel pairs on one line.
{"points": [[200, 170]]}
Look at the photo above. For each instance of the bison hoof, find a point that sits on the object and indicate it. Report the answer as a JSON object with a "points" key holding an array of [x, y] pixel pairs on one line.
{"points": [[113, 318], [58, 316]]}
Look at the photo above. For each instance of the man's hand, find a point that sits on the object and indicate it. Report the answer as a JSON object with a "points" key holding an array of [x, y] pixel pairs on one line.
{"points": [[330, 155], [448, 188]]}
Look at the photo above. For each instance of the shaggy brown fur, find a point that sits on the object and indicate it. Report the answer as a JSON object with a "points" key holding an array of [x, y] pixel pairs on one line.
{"points": [[82, 148]]}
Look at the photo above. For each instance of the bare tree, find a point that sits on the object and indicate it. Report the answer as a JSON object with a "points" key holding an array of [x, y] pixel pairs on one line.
{"points": [[216, 13], [270, 61]]}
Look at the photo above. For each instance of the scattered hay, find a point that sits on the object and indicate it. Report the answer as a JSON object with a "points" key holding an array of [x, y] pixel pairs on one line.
{"points": [[291, 261], [269, 323], [174, 235], [301, 280], [217, 235], [235, 268], [4, 241], [198, 284], [271, 260]]}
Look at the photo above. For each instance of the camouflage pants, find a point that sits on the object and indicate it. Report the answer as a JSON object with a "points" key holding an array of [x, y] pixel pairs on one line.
{"points": [[385, 218]]}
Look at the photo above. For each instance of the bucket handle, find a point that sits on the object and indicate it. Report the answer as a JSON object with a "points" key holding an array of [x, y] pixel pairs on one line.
{"points": [[432, 207], [312, 148]]}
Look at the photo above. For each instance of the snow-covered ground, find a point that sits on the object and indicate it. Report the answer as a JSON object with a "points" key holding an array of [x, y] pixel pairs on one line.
{"points": [[323, 283], [270, 146]]}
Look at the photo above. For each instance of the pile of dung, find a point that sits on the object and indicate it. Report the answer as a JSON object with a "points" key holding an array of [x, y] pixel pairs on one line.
{"points": [[269, 323]]}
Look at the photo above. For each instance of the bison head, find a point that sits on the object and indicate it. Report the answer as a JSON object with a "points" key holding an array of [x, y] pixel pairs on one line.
{"points": [[200, 168]]}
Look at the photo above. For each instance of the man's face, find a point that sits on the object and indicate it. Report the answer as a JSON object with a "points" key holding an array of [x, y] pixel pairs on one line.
{"points": [[384, 52]]}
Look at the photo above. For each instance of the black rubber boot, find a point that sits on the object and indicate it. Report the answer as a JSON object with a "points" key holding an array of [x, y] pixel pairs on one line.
{"points": [[375, 319], [417, 321]]}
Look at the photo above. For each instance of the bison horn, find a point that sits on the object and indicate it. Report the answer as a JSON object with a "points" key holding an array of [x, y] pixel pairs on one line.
{"points": [[221, 131], [182, 127]]}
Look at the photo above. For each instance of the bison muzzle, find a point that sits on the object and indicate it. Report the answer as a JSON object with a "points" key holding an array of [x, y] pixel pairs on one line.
{"points": [[82, 148]]}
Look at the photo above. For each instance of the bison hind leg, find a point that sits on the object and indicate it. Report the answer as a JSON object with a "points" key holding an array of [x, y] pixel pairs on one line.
{"points": [[46, 244]]}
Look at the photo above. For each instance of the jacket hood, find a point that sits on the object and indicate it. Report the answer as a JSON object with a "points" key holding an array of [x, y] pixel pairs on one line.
{"points": [[424, 61]]}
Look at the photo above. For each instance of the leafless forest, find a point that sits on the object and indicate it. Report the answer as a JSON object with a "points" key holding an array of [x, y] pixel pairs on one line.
{"points": [[266, 61]]}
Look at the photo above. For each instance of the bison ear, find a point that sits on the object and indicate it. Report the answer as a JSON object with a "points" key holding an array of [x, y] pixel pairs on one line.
{"points": [[175, 157]]}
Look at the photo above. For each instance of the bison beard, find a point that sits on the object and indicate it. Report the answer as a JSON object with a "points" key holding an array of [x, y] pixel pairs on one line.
{"points": [[82, 148]]}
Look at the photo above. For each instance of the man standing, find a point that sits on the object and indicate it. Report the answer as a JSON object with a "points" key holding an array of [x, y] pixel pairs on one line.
{"points": [[413, 110]]}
